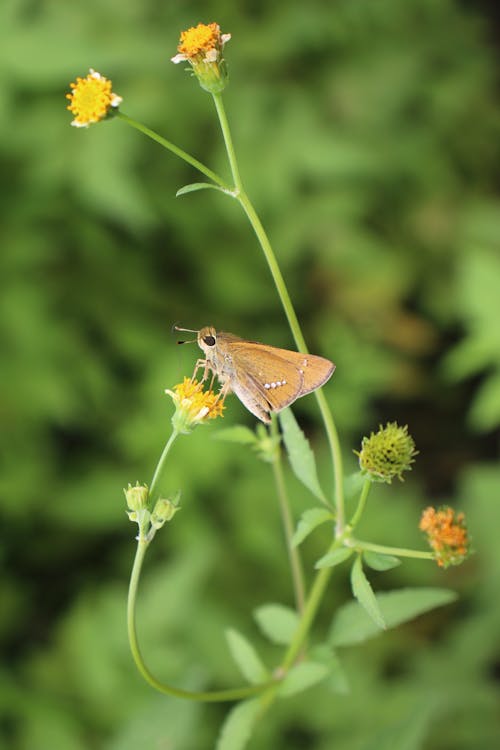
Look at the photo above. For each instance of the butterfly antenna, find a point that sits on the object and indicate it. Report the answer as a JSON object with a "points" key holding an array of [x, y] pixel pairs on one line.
{"points": [[185, 330]]}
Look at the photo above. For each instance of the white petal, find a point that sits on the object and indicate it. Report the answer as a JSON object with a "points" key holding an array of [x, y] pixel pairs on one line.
{"points": [[211, 56], [178, 58]]}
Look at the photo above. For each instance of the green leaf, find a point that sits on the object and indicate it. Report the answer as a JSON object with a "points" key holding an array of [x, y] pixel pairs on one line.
{"points": [[363, 592], [353, 484], [193, 186], [378, 561], [277, 622], [309, 520], [246, 657], [337, 679], [352, 625], [303, 676], [334, 558], [236, 434], [410, 731], [300, 454], [237, 728]]}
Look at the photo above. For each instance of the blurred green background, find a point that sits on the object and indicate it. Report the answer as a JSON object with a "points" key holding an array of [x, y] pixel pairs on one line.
{"points": [[368, 137]]}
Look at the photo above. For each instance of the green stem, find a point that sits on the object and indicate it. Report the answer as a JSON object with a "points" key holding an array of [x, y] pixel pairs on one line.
{"points": [[296, 330], [286, 517], [300, 636], [161, 462], [174, 149], [313, 601], [288, 308], [228, 141], [361, 504], [358, 544], [310, 609], [232, 694]]}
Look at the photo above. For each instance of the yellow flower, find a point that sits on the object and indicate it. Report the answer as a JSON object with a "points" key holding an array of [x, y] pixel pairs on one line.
{"points": [[387, 453], [446, 534], [91, 99], [193, 405], [201, 46]]}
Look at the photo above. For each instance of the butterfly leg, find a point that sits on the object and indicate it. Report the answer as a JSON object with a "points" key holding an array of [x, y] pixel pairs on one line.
{"points": [[199, 364]]}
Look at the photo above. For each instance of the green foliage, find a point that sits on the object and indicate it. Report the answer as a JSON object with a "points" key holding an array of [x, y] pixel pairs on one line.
{"points": [[376, 561], [303, 676], [352, 625], [368, 134], [246, 657], [300, 454], [363, 592], [310, 520], [277, 622], [238, 726], [336, 557]]}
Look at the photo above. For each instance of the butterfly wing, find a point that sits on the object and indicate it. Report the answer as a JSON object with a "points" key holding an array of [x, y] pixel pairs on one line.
{"points": [[278, 376]]}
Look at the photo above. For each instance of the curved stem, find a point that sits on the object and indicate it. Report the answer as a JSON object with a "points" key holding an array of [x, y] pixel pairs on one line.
{"points": [[173, 148], [161, 462], [361, 504], [298, 336], [286, 517], [232, 694]]}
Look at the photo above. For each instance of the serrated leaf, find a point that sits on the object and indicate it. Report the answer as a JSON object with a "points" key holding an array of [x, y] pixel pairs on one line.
{"points": [[363, 592], [308, 521], [236, 434], [334, 558], [377, 561], [303, 676], [193, 186], [246, 657], [277, 622], [352, 624], [238, 725], [300, 454]]}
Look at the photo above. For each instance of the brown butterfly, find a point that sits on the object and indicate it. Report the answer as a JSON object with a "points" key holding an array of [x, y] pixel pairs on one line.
{"points": [[265, 378]]}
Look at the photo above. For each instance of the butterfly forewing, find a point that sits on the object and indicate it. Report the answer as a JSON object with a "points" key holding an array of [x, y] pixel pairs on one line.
{"points": [[270, 372]]}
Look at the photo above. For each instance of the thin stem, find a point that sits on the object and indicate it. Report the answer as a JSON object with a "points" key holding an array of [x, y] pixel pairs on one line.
{"points": [[228, 141], [397, 551], [174, 149], [161, 462], [310, 609], [361, 504], [296, 330], [232, 694], [286, 517]]}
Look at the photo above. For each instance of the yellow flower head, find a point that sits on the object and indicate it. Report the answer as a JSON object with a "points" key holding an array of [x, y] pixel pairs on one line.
{"points": [[91, 99], [201, 46], [193, 405], [446, 534], [387, 453]]}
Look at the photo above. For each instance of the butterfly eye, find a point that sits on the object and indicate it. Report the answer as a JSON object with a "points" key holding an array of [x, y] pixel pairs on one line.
{"points": [[209, 340]]}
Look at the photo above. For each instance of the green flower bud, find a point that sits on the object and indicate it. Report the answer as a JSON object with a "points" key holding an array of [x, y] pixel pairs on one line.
{"points": [[137, 496], [387, 453], [164, 510]]}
